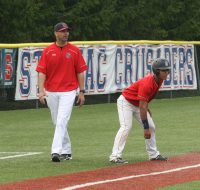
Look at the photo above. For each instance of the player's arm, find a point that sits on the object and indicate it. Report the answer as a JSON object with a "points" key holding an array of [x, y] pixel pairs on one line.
{"points": [[81, 97], [143, 105], [42, 93]]}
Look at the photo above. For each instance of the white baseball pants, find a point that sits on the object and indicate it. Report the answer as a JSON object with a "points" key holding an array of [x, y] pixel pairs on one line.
{"points": [[127, 112], [60, 105]]}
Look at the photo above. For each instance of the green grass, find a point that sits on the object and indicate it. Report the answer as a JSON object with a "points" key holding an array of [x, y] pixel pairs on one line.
{"points": [[92, 130], [186, 186]]}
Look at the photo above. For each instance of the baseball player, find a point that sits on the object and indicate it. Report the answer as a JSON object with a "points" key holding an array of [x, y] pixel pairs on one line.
{"points": [[133, 103], [60, 76]]}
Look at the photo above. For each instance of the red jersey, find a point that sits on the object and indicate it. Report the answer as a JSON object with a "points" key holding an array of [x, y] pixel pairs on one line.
{"points": [[61, 65], [144, 89]]}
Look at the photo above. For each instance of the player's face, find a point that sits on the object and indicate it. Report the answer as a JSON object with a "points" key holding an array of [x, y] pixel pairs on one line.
{"points": [[62, 36], [163, 74]]}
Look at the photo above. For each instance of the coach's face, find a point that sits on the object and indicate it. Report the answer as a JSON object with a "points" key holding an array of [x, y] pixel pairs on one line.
{"points": [[62, 36]]}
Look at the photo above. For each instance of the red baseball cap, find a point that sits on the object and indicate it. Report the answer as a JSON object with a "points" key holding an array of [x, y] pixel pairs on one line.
{"points": [[61, 26]]}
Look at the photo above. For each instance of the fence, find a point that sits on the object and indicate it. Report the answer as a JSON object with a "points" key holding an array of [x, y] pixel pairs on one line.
{"points": [[7, 95]]}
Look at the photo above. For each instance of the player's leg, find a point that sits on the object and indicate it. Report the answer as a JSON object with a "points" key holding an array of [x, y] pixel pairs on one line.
{"points": [[151, 143], [66, 101], [125, 119], [151, 146]]}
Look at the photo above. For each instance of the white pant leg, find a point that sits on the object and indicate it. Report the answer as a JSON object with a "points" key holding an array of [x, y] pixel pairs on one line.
{"points": [[150, 143], [66, 145], [125, 119], [53, 102], [61, 137]]}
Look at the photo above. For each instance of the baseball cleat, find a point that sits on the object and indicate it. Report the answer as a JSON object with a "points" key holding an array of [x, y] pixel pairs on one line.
{"points": [[66, 157], [159, 158], [119, 160], [55, 157]]}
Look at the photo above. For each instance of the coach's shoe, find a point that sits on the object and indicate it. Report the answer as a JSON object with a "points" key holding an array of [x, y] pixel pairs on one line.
{"points": [[159, 158], [66, 157], [119, 160], [55, 157]]}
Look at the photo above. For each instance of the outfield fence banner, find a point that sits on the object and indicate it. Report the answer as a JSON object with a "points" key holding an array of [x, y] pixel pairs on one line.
{"points": [[26, 82], [111, 68], [8, 61]]}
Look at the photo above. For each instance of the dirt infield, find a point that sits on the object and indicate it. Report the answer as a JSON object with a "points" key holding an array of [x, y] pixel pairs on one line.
{"points": [[145, 175]]}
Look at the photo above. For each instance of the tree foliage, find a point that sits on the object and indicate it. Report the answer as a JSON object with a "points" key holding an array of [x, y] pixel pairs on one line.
{"points": [[33, 20]]}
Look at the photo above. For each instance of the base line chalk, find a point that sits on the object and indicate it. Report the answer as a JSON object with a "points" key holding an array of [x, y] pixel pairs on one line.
{"points": [[18, 154], [129, 177]]}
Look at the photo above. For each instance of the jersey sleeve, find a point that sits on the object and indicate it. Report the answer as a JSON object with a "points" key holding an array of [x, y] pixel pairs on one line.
{"points": [[144, 92], [81, 64], [41, 67]]}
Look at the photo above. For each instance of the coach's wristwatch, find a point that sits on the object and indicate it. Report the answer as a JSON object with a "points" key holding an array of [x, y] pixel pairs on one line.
{"points": [[83, 91]]}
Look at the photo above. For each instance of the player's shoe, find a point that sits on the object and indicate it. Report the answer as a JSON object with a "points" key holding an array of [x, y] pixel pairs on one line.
{"points": [[159, 158], [55, 157], [118, 160], [66, 157]]}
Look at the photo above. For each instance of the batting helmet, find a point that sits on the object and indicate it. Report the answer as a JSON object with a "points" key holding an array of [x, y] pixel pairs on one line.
{"points": [[160, 64]]}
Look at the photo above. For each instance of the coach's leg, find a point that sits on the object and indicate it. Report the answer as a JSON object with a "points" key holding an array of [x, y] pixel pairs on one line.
{"points": [[125, 119], [61, 137], [52, 103]]}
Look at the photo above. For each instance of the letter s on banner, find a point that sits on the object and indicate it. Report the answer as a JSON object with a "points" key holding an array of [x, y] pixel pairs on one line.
{"points": [[24, 82], [8, 67]]}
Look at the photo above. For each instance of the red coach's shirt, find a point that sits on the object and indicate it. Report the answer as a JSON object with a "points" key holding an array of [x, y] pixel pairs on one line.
{"points": [[144, 89], [61, 65]]}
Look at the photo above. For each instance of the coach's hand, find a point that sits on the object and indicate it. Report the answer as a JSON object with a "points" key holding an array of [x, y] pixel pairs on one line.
{"points": [[42, 96], [147, 134], [81, 99]]}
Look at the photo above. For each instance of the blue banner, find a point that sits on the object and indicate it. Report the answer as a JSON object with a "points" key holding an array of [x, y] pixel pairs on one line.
{"points": [[8, 67]]}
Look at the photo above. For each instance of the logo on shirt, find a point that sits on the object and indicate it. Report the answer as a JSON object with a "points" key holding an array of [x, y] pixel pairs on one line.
{"points": [[68, 55]]}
